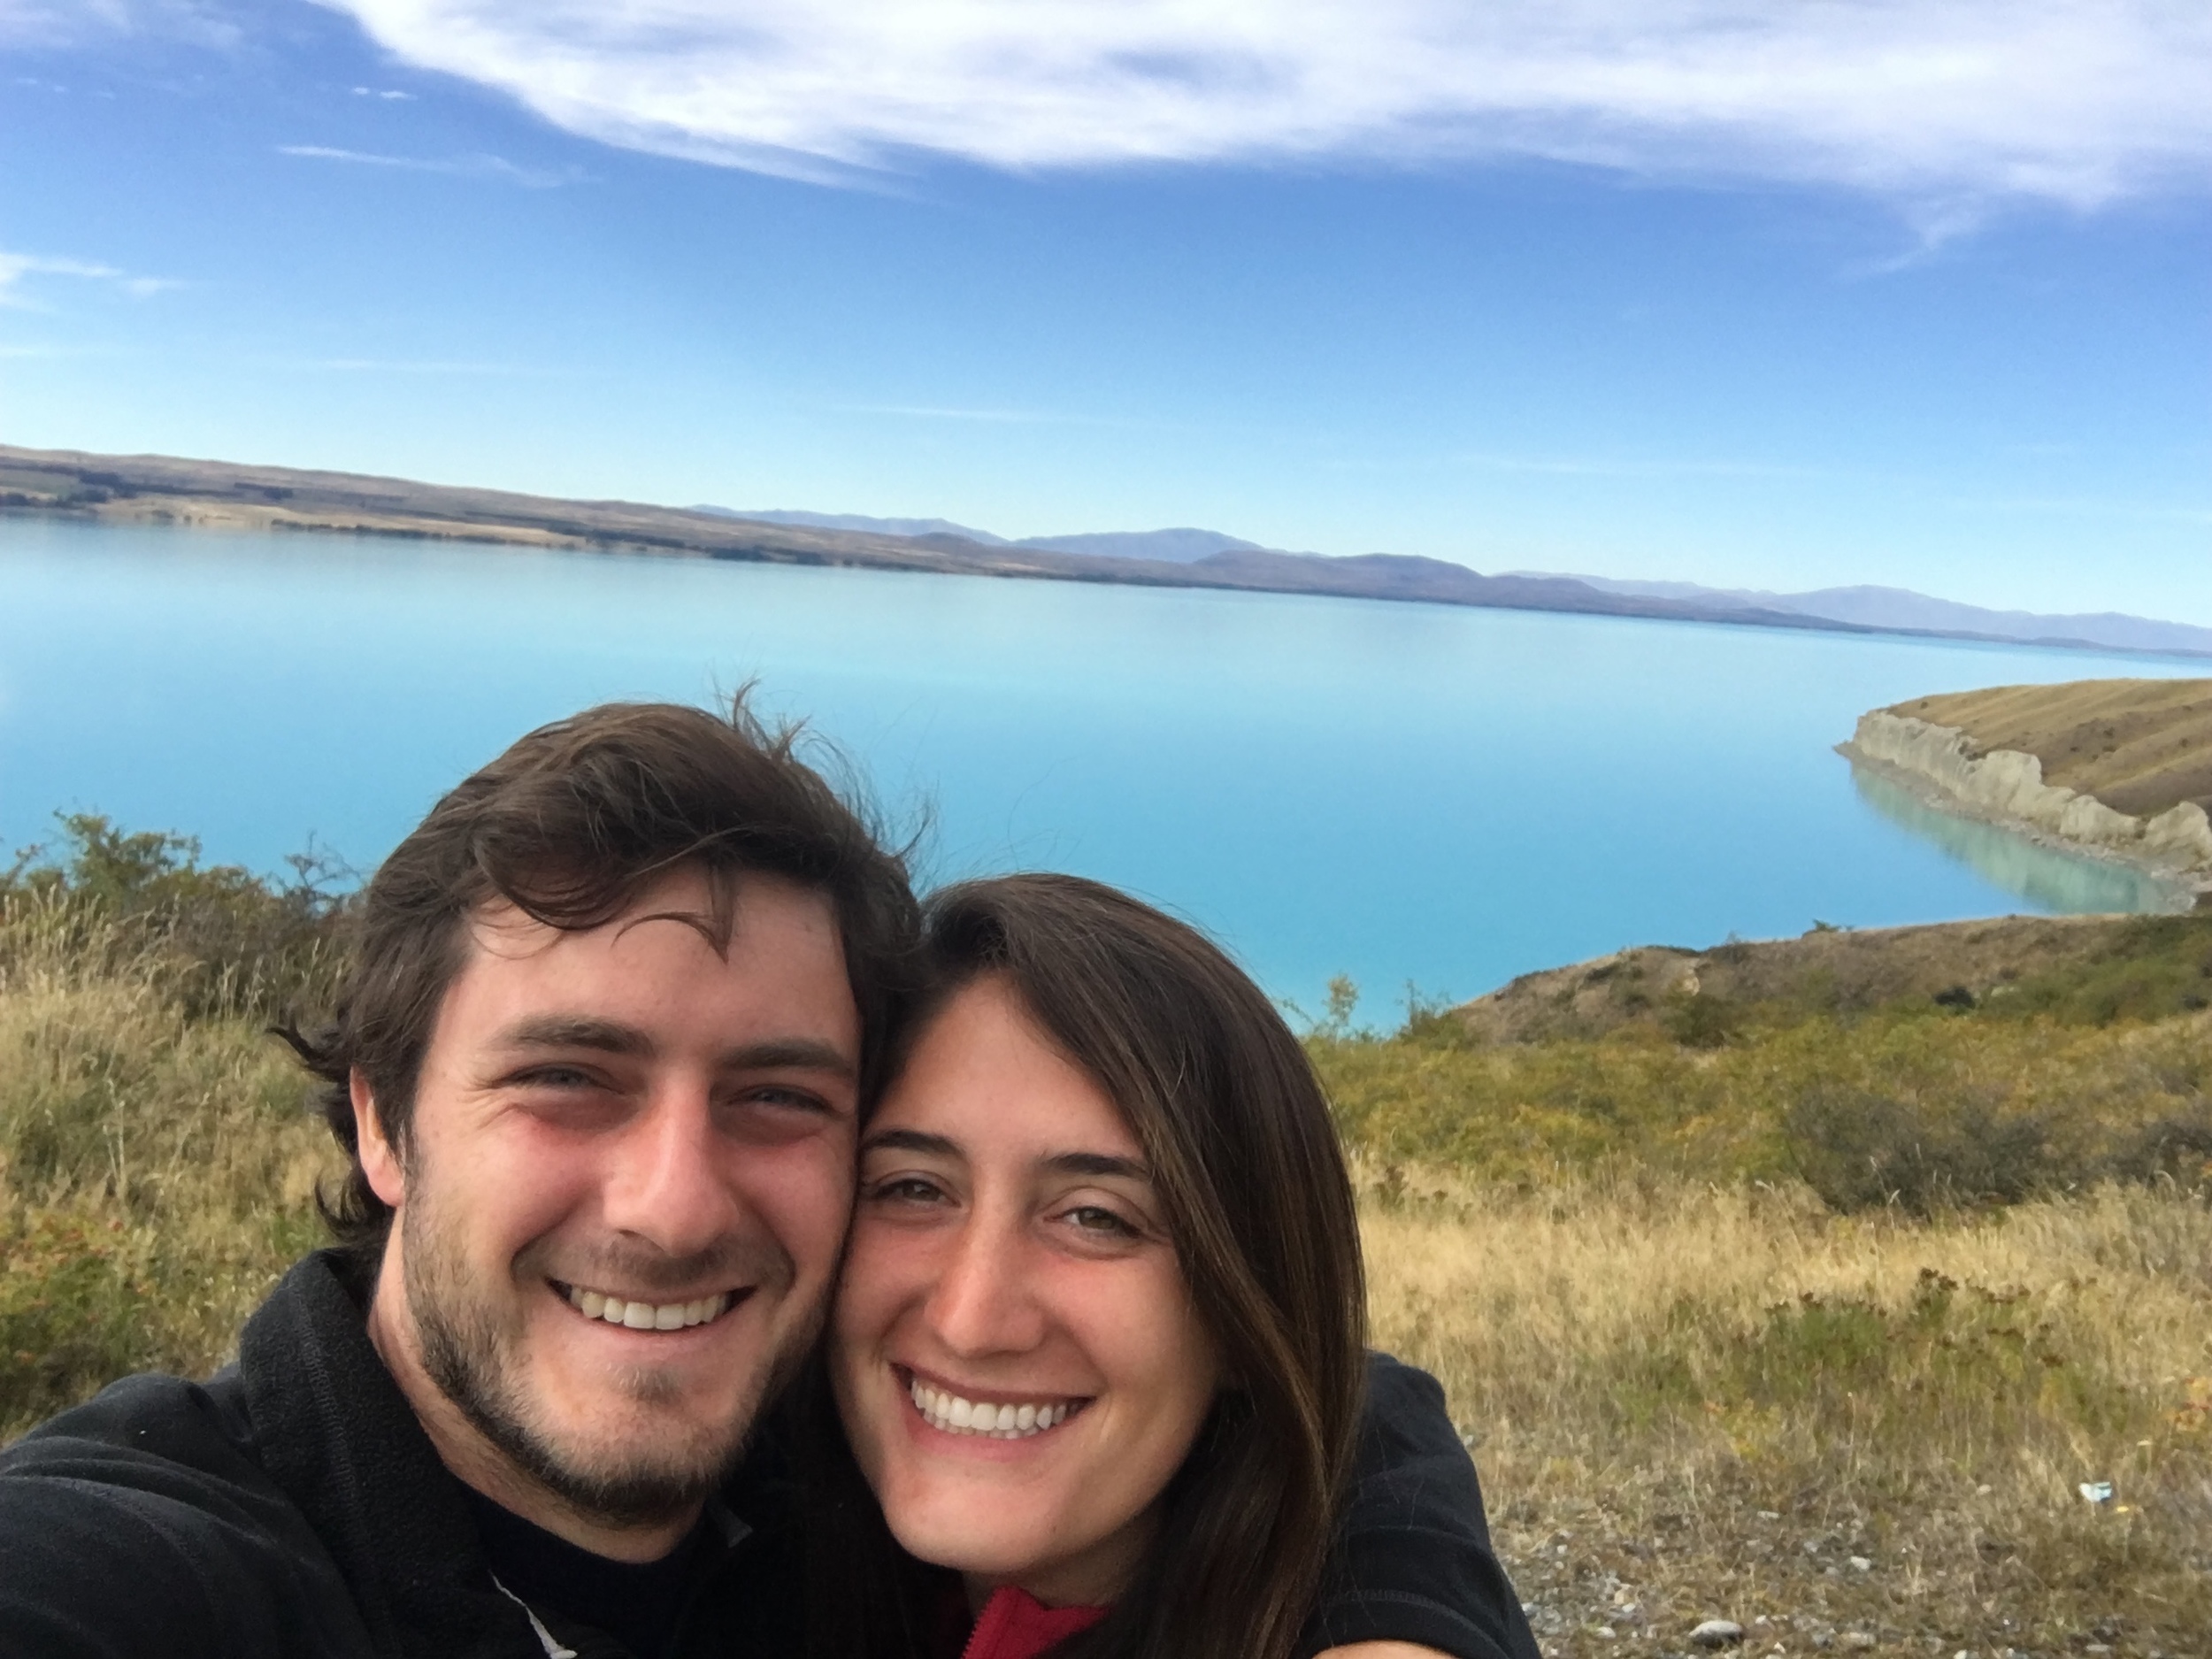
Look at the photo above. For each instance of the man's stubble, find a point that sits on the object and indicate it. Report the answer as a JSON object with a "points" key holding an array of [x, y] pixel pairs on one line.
{"points": [[470, 1346]]}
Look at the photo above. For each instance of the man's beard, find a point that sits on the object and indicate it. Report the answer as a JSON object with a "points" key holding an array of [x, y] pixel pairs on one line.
{"points": [[470, 1350]]}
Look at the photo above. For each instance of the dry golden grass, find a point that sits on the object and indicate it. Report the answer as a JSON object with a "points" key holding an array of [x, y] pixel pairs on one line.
{"points": [[1692, 1401], [156, 1172]]}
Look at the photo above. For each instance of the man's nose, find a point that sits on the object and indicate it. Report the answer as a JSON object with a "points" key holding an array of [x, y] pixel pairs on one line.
{"points": [[667, 1185], [985, 1298]]}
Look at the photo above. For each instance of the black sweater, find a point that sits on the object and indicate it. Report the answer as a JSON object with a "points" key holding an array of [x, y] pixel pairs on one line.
{"points": [[292, 1506]]}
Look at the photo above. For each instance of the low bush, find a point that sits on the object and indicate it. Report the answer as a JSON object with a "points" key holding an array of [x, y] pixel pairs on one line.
{"points": [[228, 941], [1917, 1104], [1861, 1150]]}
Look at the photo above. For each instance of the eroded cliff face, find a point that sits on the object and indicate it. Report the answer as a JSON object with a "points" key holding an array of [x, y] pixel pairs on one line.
{"points": [[2006, 787]]}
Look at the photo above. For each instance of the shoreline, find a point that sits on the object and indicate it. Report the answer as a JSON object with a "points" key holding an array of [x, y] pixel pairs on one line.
{"points": [[2185, 888]]}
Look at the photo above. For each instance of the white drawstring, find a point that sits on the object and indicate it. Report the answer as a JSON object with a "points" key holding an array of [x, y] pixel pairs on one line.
{"points": [[553, 1649]]}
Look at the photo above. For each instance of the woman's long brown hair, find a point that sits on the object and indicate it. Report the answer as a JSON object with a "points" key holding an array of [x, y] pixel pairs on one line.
{"points": [[1252, 1182]]}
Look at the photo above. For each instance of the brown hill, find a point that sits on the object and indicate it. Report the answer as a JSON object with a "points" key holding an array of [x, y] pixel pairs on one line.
{"points": [[1966, 964], [2139, 746]]}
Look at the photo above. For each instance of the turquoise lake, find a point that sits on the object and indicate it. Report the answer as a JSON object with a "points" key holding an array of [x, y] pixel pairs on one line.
{"points": [[1407, 793]]}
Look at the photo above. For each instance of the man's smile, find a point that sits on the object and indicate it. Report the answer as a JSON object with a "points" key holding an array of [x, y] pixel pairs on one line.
{"points": [[636, 1314]]}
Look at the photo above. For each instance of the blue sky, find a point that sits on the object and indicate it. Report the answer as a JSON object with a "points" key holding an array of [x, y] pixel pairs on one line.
{"points": [[1718, 290]]}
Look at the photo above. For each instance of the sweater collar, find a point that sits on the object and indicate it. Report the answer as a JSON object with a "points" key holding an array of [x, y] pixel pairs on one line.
{"points": [[1015, 1625], [336, 1433], [334, 1430]]}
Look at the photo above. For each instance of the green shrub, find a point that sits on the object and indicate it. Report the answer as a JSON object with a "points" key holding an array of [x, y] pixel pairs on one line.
{"points": [[1860, 1151], [235, 943]]}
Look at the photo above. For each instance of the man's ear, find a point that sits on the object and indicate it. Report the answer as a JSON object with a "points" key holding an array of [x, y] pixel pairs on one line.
{"points": [[380, 1160]]}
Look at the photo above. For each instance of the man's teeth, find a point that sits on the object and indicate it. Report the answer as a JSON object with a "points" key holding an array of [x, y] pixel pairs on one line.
{"points": [[955, 1416], [648, 1315]]}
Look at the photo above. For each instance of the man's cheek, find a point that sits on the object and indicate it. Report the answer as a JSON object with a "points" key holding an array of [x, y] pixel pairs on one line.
{"points": [[811, 1209]]}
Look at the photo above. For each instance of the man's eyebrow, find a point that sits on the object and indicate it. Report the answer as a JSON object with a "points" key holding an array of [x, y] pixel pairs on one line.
{"points": [[910, 1140], [577, 1031], [1098, 1163], [789, 1054], [609, 1036]]}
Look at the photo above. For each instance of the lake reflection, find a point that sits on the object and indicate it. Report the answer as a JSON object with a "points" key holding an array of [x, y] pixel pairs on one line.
{"points": [[2047, 878]]}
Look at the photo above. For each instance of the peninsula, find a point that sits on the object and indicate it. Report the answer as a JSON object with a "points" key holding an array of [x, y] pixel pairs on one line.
{"points": [[2118, 769], [215, 495]]}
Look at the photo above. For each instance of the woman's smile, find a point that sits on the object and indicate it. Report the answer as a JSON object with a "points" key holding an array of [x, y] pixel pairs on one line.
{"points": [[986, 1415]]}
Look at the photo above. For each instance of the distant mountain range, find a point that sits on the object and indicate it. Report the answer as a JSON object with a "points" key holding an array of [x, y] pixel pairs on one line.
{"points": [[1900, 608], [1166, 547], [1886, 610], [154, 489]]}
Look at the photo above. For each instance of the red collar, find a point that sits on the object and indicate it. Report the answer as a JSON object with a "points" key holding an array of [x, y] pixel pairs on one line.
{"points": [[1015, 1625]]}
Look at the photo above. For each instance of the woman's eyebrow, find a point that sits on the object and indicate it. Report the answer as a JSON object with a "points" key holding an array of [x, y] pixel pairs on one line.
{"points": [[1097, 1163], [910, 1140]]}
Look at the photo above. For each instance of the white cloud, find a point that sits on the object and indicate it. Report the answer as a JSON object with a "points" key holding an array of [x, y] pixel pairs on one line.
{"points": [[15, 268], [2080, 101], [84, 22], [461, 167]]}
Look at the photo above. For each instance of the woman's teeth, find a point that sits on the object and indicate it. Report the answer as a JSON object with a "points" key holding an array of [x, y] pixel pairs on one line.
{"points": [[648, 1315], [955, 1416]]}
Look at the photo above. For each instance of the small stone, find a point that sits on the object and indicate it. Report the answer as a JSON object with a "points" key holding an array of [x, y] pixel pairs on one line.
{"points": [[1717, 1632], [1860, 1563]]}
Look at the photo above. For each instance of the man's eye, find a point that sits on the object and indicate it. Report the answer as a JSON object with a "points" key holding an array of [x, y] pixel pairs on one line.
{"points": [[554, 1077], [784, 1099]]}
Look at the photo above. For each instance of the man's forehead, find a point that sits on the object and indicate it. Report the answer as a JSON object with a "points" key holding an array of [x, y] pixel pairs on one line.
{"points": [[778, 958], [717, 906]]}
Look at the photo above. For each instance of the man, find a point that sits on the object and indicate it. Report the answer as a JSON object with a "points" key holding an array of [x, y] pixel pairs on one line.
{"points": [[617, 1007]]}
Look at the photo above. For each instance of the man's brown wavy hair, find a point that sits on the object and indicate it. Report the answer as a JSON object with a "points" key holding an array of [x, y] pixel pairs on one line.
{"points": [[570, 827]]}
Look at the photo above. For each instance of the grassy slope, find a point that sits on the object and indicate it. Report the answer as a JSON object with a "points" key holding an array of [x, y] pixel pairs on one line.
{"points": [[1970, 1059], [2139, 746]]}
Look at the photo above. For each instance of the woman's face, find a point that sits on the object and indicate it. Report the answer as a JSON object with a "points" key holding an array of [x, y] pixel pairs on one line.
{"points": [[1016, 1358]]}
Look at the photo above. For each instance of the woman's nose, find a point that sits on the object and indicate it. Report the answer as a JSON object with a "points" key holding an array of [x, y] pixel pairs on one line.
{"points": [[985, 1300]]}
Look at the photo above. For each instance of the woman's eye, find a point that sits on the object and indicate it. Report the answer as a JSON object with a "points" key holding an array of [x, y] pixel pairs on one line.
{"points": [[1102, 1223], [906, 1189]]}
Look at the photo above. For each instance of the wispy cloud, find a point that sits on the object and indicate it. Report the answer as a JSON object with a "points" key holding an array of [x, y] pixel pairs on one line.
{"points": [[84, 22], [396, 365], [390, 95], [2085, 506], [17, 269], [1607, 466], [926, 411], [494, 167], [2075, 101]]}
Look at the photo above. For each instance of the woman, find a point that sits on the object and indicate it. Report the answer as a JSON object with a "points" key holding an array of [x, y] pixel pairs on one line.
{"points": [[1098, 1346]]}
